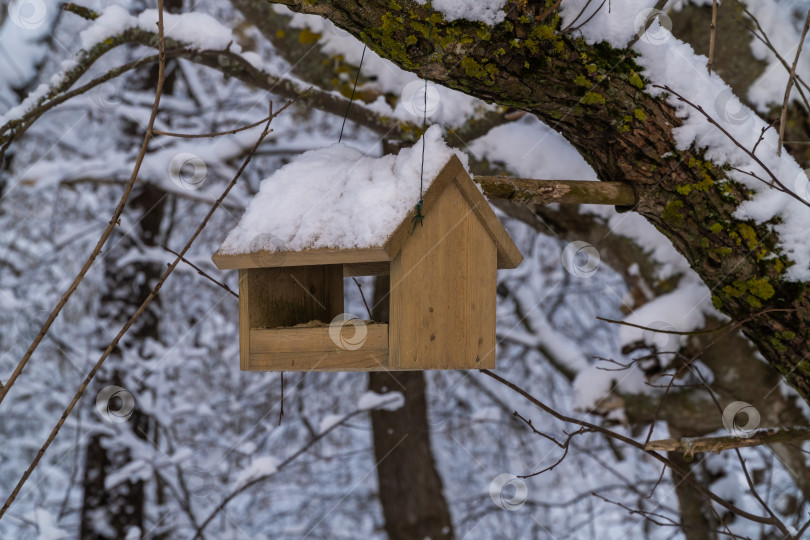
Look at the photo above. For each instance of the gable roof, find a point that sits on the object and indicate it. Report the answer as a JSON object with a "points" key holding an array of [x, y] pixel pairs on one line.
{"points": [[390, 235]]}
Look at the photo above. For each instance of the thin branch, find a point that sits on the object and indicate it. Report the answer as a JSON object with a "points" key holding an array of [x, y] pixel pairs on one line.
{"points": [[536, 431], [110, 226], [753, 488], [566, 445], [208, 135], [114, 343], [201, 271], [767, 42], [783, 117], [648, 516], [363, 296], [548, 11], [662, 331], [774, 179], [630, 442], [730, 325], [305, 448]]}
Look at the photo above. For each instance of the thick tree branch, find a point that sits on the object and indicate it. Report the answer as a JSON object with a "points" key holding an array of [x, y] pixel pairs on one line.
{"points": [[692, 445], [539, 192], [593, 94]]}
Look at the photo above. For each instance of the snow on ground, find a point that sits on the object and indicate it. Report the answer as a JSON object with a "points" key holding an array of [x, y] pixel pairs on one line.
{"points": [[336, 197]]}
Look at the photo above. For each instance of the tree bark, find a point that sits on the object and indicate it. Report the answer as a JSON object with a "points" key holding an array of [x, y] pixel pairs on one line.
{"points": [[625, 134], [410, 487], [694, 522], [110, 512]]}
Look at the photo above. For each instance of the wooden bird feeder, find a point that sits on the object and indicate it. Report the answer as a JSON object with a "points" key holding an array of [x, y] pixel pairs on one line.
{"points": [[442, 293]]}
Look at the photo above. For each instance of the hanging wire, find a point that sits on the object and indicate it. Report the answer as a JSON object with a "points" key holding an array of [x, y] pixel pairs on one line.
{"points": [[357, 78], [419, 218]]}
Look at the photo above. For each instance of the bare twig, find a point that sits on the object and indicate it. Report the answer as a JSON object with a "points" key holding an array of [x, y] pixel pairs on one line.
{"points": [[730, 325], [124, 329], [305, 448], [110, 226], [669, 522], [363, 296], [201, 271], [753, 488], [774, 180], [586, 21], [209, 135], [662, 331], [534, 429], [548, 11], [760, 34], [630, 442], [565, 446], [783, 117], [694, 358]]}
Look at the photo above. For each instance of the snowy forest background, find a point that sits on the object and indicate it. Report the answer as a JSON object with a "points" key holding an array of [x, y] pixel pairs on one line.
{"points": [[202, 448]]}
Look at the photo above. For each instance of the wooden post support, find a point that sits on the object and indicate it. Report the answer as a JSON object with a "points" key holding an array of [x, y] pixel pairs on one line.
{"points": [[538, 192]]}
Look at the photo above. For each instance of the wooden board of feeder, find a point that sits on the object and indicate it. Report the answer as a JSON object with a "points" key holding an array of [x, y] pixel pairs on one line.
{"points": [[443, 289], [314, 349], [273, 297]]}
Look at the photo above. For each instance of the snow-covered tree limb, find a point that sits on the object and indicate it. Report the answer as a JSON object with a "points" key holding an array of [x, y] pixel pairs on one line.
{"points": [[595, 95]]}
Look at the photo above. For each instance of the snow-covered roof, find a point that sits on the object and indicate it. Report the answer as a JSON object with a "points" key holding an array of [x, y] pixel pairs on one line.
{"points": [[336, 205], [337, 197]]}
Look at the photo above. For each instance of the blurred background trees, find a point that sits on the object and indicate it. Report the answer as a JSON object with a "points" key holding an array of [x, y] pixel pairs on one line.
{"points": [[190, 446]]}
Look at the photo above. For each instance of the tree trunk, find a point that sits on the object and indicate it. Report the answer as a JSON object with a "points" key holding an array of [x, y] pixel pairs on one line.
{"points": [[110, 513], [694, 523], [625, 134], [410, 488]]}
